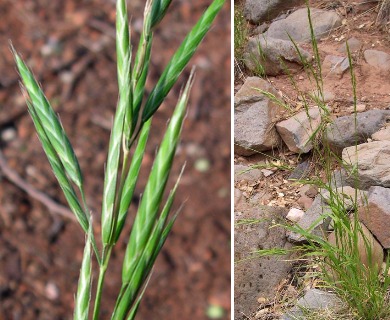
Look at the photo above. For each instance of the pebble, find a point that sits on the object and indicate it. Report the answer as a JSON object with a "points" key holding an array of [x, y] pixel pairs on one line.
{"points": [[295, 214], [202, 165], [359, 108], [52, 292], [8, 134], [267, 172]]}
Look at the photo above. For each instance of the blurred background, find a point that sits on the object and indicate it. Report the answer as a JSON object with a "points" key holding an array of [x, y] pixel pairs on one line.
{"points": [[70, 45]]}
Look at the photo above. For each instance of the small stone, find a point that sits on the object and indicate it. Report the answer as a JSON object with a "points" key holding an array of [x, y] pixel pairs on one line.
{"points": [[295, 214], [51, 291], [359, 108], [305, 202], [202, 165], [267, 172], [246, 173], [353, 44], [8, 134], [335, 65], [346, 196], [382, 135]]}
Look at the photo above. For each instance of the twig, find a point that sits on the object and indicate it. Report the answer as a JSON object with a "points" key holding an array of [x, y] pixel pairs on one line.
{"points": [[13, 177]]}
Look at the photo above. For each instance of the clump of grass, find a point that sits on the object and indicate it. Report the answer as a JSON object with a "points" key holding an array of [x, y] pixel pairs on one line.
{"points": [[241, 32], [363, 286], [129, 135]]}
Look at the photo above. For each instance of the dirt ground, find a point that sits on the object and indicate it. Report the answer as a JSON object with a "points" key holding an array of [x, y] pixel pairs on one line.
{"points": [[71, 48]]}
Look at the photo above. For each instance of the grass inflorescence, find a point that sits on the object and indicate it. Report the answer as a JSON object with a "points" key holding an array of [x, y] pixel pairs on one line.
{"points": [[129, 135]]}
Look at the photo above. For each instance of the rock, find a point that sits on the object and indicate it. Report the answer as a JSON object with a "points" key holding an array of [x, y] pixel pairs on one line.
{"points": [[378, 59], [258, 11], [297, 131], [382, 135], [261, 29], [338, 178], [254, 118], [295, 214], [238, 199], [372, 164], [259, 276], [342, 132], [272, 56], [376, 215], [8, 134], [353, 43], [359, 108], [246, 173], [297, 25], [372, 260], [305, 202], [310, 221], [301, 171], [335, 65], [267, 172], [329, 96], [314, 299], [346, 196]]}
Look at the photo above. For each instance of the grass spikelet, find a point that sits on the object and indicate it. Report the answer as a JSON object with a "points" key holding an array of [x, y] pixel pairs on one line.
{"points": [[180, 59], [53, 128]]}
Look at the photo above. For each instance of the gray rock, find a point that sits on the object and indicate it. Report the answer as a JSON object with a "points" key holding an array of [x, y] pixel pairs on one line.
{"points": [[258, 11], [353, 43], [297, 26], [246, 173], [338, 178], [255, 276], [272, 56], [301, 171], [376, 215], [254, 118], [342, 132], [311, 220], [346, 196], [382, 135], [371, 161], [297, 131], [378, 59], [335, 65], [314, 299]]}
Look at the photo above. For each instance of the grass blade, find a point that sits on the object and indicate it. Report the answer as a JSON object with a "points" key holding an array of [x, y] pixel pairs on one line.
{"points": [[180, 60]]}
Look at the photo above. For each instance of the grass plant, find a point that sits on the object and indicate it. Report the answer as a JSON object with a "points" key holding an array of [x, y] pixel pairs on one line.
{"points": [[363, 286], [132, 124]]}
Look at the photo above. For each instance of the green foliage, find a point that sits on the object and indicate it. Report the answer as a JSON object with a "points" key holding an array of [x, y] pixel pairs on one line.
{"points": [[131, 127], [240, 32]]}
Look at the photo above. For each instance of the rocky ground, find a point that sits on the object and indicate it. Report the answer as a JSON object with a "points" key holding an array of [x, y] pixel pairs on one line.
{"points": [[71, 48], [273, 148]]}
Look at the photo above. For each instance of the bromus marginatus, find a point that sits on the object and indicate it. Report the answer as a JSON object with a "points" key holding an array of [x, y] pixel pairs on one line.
{"points": [[129, 135]]}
